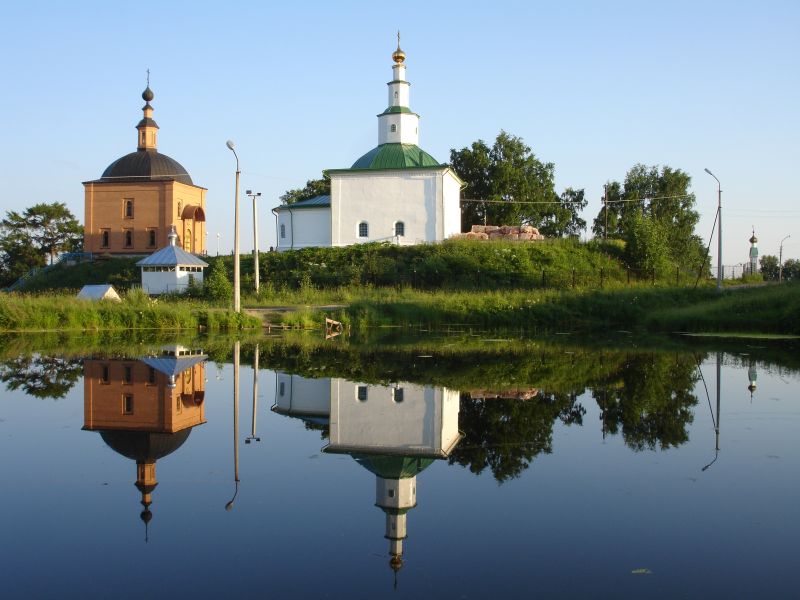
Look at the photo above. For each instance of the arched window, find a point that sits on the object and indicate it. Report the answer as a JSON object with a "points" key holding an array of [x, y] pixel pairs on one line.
{"points": [[104, 239], [393, 128], [151, 239], [283, 231], [363, 229], [399, 228], [395, 95], [128, 209], [180, 205], [128, 238], [397, 394], [361, 393]]}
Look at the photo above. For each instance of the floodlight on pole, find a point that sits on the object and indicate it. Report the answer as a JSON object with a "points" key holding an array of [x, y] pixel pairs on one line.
{"points": [[236, 300], [719, 231]]}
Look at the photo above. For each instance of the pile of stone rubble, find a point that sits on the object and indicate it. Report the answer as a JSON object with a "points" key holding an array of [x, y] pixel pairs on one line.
{"points": [[502, 232]]}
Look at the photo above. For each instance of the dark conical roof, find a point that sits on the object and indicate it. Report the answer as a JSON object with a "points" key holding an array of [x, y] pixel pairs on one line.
{"points": [[145, 165], [144, 446]]}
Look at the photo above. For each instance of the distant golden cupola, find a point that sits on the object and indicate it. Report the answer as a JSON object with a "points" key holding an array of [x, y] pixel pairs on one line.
{"points": [[398, 55]]}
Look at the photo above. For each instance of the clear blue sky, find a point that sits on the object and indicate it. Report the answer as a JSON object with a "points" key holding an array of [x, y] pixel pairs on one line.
{"points": [[592, 87]]}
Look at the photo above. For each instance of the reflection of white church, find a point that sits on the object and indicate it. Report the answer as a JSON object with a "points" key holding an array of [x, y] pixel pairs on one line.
{"points": [[394, 431], [396, 192]]}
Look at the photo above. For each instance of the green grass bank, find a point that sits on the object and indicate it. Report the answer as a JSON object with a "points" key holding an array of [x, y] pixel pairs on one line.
{"points": [[58, 312]]}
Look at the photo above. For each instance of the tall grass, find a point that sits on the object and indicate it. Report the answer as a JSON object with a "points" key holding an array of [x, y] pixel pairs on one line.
{"points": [[54, 312]]}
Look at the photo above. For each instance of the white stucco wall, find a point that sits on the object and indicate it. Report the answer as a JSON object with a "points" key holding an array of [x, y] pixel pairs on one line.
{"points": [[163, 282], [406, 129], [304, 227], [301, 396], [452, 204], [381, 198], [425, 422]]}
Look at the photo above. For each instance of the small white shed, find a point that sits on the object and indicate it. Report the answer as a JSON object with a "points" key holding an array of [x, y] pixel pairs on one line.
{"points": [[170, 269], [99, 292]]}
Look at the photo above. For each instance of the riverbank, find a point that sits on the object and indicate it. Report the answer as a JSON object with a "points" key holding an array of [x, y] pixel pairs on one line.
{"points": [[54, 312], [765, 309]]}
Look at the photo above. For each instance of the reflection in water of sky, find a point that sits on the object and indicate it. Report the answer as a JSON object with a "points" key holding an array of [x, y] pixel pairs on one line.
{"points": [[121, 479]]}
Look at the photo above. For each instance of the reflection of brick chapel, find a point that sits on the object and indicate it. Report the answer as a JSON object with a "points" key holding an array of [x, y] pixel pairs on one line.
{"points": [[140, 196]]}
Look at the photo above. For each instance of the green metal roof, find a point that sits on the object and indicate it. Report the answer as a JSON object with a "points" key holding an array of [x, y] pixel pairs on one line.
{"points": [[394, 110], [393, 467], [396, 156], [315, 202]]}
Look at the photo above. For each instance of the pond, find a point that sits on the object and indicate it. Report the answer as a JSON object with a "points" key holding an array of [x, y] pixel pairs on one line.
{"points": [[452, 467]]}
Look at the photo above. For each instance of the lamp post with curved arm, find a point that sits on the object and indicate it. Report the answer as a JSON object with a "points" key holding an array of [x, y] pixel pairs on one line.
{"points": [[236, 300], [780, 259], [719, 231]]}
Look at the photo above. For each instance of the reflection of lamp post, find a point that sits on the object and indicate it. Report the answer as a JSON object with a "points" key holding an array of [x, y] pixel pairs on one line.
{"points": [[218, 236], [236, 352], [716, 421], [255, 195], [719, 231], [780, 259], [236, 302], [252, 435]]}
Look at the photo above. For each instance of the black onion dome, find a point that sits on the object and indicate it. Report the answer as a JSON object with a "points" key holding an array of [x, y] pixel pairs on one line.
{"points": [[145, 165], [147, 94], [144, 446]]}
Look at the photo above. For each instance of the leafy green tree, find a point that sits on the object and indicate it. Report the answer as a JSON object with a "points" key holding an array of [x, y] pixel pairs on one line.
{"points": [[43, 230], [313, 187], [646, 244], [565, 218], [507, 176], [791, 270], [650, 398], [217, 286], [506, 435], [769, 267], [41, 376], [661, 195]]}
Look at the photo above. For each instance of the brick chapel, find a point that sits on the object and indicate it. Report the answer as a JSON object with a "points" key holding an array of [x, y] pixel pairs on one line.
{"points": [[140, 197]]}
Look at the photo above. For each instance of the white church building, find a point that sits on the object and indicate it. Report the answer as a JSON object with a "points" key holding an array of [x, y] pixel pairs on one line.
{"points": [[395, 193]]}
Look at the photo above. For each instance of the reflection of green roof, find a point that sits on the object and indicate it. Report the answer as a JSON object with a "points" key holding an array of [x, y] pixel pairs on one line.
{"points": [[393, 467], [396, 156]]}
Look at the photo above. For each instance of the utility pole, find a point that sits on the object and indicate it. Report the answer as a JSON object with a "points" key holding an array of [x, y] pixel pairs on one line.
{"points": [[255, 195], [605, 210], [719, 231]]}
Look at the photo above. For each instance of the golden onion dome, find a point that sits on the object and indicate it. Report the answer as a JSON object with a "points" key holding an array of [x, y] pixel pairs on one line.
{"points": [[398, 55]]}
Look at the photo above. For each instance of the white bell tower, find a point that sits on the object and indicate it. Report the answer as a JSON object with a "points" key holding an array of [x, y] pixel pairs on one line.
{"points": [[397, 124]]}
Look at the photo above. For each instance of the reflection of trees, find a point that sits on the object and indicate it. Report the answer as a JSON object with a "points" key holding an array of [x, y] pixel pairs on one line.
{"points": [[650, 398], [507, 434], [41, 376]]}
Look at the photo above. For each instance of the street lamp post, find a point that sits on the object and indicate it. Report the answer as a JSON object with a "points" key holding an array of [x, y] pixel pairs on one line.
{"points": [[218, 236], [236, 301], [719, 231], [780, 259], [255, 195]]}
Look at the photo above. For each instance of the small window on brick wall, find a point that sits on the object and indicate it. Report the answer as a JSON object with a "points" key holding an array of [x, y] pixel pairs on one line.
{"points": [[151, 238]]}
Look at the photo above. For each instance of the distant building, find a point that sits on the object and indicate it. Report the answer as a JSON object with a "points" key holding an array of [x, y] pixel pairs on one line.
{"points": [[171, 269], [140, 196], [753, 266], [396, 192]]}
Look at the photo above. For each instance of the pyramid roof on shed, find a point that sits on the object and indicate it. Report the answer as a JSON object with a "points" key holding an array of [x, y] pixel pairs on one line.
{"points": [[171, 256]]}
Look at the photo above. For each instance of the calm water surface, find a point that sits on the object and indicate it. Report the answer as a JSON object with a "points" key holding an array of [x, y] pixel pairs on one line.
{"points": [[602, 474]]}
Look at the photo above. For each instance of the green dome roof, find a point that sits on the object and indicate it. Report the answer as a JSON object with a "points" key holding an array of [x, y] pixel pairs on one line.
{"points": [[396, 156], [393, 467]]}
